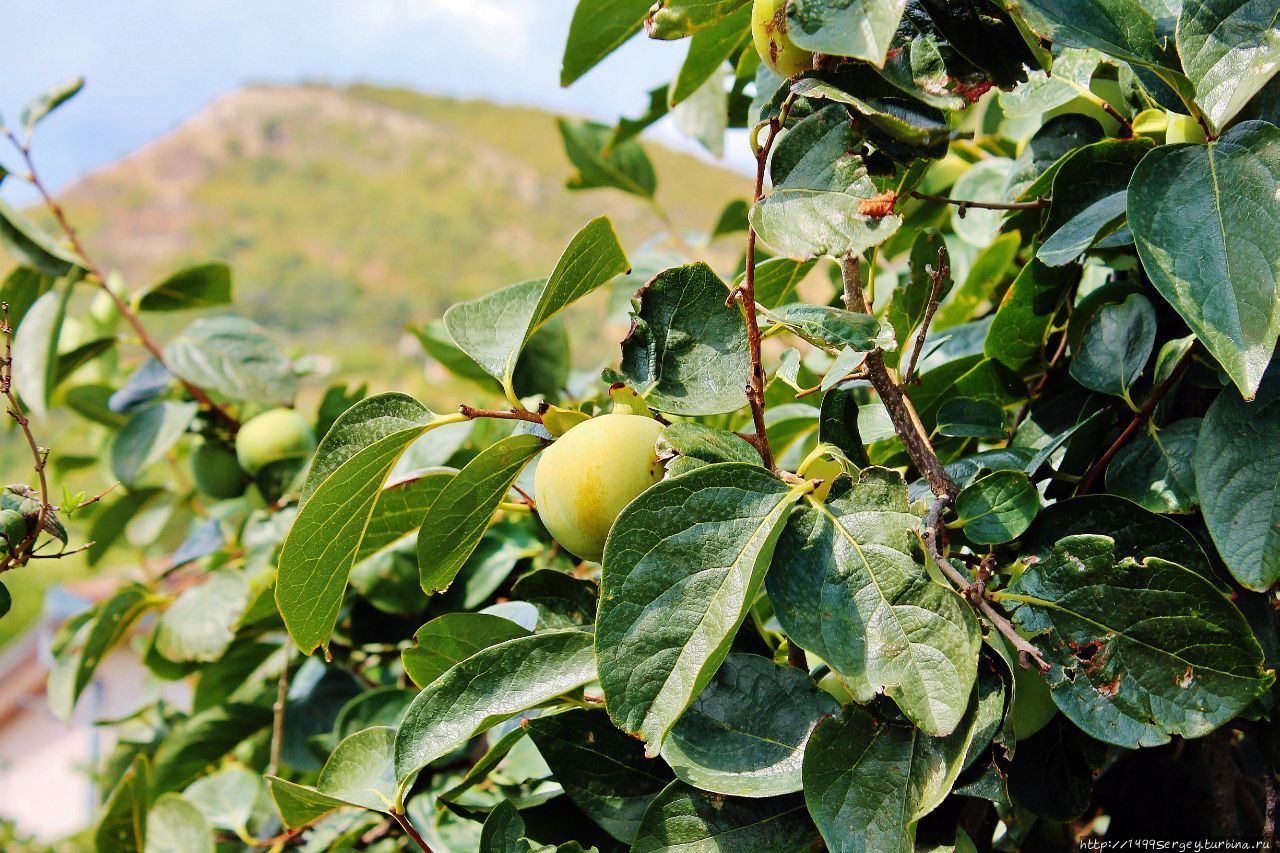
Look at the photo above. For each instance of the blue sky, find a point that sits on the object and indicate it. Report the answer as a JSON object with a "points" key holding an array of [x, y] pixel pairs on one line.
{"points": [[152, 63]]}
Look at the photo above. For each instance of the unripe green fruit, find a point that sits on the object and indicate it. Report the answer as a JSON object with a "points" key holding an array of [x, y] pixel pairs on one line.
{"points": [[217, 472], [273, 436], [590, 473], [1033, 706], [769, 32]]}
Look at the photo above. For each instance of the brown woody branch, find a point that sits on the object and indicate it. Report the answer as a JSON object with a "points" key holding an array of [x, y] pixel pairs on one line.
{"points": [[937, 276], [1141, 417], [471, 413], [32, 176], [410, 831], [18, 556], [915, 439]]}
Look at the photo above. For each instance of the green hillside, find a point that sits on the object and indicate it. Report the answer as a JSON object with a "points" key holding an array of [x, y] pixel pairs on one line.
{"points": [[347, 213]]}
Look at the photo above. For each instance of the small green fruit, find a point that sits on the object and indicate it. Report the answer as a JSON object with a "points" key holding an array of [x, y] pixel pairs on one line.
{"points": [[273, 436], [1033, 706], [590, 473], [769, 32], [217, 472]]}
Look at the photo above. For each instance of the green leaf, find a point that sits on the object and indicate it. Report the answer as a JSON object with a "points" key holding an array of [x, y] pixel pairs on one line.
{"points": [[174, 825], [599, 28], [997, 508], [361, 771], [1137, 533], [970, 418], [492, 685], [868, 781], [203, 286], [35, 350], [849, 584], [562, 600], [1038, 163], [819, 189], [686, 446], [123, 825], [603, 162], [300, 805], [687, 820], [862, 29], [1052, 772], [1141, 651], [687, 350], [675, 19], [1125, 29], [148, 436], [459, 517], [1116, 346], [834, 328], [494, 328], [985, 274], [22, 239], [1020, 328], [235, 357], [342, 491], [6, 601], [84, 641], [1237, 466], [1089, 197], [682, 565], [452, 638], [235, 799], [1216, 268], [983, 181], [905, 120], [745, 733], [602, 770], [777, 279], [838, 425], [399, 511], [381, 706], [201, 622], [1229, 50], [40, 106], [911, 299], [503, 831], [709, 49], [1156, 470], [1042, 91], [24, 285], [200, 740]]}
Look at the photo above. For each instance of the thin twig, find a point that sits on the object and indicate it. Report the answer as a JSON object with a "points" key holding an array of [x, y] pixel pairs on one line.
{"points": [[471, 413], [40, 457], [938, 275], [965, 204], [1141, 417], [410, 831], [745, 295], [277, 713], [144, 337]]}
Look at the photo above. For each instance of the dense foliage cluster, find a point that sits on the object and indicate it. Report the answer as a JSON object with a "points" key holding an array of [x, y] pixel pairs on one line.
{"points": [[946, 520]]}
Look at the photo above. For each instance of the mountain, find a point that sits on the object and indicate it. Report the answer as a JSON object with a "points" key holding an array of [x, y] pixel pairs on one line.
{"points": [[347, 213]]}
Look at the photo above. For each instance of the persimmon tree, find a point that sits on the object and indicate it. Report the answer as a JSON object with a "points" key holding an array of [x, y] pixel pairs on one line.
{"points": [[929, 504]]}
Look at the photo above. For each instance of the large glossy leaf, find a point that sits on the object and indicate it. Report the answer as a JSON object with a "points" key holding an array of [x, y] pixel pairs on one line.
{"points": [[494, 328], [361, 770], [1157, 470], [1229, 50], [300, 805], [687, 820], [1021, 325], [1140, 651], [682, 565], [848, 583], [997, 508], [492, 685], [400, 509], [342, 492], [201, 623], [1123, 28], [1205, 221], [452, 638], [1116, 345], [745, 733], [1042, 92], [687, 350], [709, 49], [862, 29], [603, 770], [203, 286], [459, 516], [1089, 197], [599, 28], [1237, 466], [234, 356], [819, 193], [148, 436], [175, 825], [868, 781]]}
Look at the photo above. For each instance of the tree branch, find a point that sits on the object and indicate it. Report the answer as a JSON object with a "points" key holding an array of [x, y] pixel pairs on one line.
{"points": [[410, 831], [965, 204], [131, 317], [18, 556], [1141, 417], [277, 713], [937, 275], [471, 413]]}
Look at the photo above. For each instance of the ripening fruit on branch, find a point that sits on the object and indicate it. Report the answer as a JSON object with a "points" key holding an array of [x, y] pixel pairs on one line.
{"points": [[1033, 705], [217, 471], [591, 472], [769, 32], [272, 437]]}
